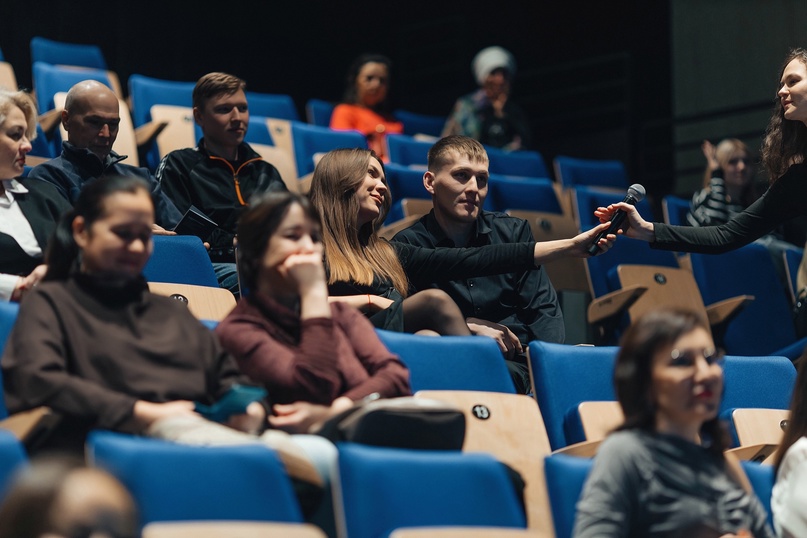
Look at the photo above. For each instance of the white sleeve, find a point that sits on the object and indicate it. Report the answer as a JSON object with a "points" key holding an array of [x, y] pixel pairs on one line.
{"points": [[790, 493], [7, 285]]}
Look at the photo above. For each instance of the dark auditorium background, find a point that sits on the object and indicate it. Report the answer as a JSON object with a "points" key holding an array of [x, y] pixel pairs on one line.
{"points": [[642, 81]]}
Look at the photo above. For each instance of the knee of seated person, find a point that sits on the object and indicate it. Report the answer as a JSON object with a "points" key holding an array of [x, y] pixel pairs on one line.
{"points": [[437, 301]]}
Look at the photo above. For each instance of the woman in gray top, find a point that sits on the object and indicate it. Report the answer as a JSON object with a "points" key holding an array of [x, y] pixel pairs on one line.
{"points": [[663, 473]]}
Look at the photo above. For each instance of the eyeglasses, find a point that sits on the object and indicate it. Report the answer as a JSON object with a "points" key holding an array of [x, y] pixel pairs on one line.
{"points": [[686, 358]]}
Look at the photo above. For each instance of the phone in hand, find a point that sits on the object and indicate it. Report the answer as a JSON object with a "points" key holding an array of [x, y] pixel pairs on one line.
{"points": [[234, 402]]}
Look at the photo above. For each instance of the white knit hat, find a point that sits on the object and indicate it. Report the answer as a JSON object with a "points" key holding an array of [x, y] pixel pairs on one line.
{"points": [[491, 58]]}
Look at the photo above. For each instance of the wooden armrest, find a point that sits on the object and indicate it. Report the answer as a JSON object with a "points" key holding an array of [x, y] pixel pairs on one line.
{"points": [[28, 425], [584, 449], [389, 231], [147, 133], [614, 303], [242, 529], [50, 120], [467, 532], [759, 453], [724, 311]]}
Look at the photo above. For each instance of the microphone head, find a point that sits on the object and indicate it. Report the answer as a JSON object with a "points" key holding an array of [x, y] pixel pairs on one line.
{"points": [[637, 192]]}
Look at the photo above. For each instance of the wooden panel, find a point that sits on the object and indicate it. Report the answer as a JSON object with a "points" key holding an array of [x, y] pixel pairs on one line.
{"points": [[231, 529], [204, 302]]}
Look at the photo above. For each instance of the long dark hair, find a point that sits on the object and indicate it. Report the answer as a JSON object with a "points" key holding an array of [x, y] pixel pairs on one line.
{"points": [[351, 95], [62, 254], [634, 366], [797, 422], [785, 141], [257, 225]]}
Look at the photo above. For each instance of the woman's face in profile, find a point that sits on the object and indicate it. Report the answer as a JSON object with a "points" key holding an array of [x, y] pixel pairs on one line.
{"points": [[372, 84], [14, 145], [119, 243], [687, 383]]}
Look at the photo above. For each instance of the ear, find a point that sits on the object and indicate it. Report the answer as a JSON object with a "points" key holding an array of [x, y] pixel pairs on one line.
{"points": [[81, 234], [65, 118], [428, 182], [197, 115]]}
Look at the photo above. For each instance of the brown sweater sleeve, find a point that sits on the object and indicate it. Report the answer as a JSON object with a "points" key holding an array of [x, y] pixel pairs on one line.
{"points": [[35, 370]]}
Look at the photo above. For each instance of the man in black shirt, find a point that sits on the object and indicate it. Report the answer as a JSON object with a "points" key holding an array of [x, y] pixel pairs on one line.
{"points": [[512, 308]]}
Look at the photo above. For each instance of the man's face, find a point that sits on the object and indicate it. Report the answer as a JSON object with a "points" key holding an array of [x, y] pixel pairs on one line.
{"points": [[93, 123], [458, 187], [224, 119]]}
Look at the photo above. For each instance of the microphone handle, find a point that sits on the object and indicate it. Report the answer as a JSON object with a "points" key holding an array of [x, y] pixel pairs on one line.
{"points": [[616, 223]]}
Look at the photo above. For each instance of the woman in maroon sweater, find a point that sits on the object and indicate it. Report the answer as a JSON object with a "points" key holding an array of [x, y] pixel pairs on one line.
{"points": [[314, 357]]}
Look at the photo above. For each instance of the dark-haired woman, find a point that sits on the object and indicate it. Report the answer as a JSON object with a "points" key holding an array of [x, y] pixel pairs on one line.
{"points": [[95, 346], [365, 107], [663, 472]]}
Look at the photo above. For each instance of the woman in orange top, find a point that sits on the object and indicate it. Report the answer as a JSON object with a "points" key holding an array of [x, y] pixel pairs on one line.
{"points": [[365, 107]]}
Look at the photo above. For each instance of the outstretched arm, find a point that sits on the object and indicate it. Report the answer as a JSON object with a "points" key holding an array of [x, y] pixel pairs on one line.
{"points": [[635, 226], [575, 247]]}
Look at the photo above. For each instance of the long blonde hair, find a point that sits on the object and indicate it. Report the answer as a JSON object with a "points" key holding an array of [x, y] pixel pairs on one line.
{"points": [[353, 253]]}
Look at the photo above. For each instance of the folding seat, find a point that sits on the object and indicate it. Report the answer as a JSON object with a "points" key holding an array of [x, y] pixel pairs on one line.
{"points": [[765, 326], [408, 151], [516, 163], [62, 53], [792, 261], [675, 210], [180, 259], [563, 377], [574, 172], [51, 79], [272, 105], [420, 124], [382, 489], [587, 199], [204, 302], [534, 194], [13, 459], [311, 141], [450, 362], [318, 112], [175, 482], [239, 529]]}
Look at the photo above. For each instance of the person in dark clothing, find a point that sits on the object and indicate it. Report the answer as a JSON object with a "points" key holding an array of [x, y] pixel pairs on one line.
{"points": [[29, 210], [223, 172], [91, 117], [512, 308]]}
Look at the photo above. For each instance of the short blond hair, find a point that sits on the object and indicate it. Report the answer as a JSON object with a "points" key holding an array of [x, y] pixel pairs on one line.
{"points": [[24, 102], [464, 146]]}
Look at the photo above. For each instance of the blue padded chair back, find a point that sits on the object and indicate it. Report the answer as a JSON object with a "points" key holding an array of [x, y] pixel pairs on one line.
{"points": [[405, 150], [13, 459], [52, 79], [763, 327], [675, 210], [318, 112], [174, 482], [762, 478], [311, 139], [563, 377], [146, 92], [257, 131], [450, 362], [575, 172], [414, 123], [180, 259], [272, 105], [42, 147], [8, 316], [60, 53], [383, 489], [587, 199], [405, 182], [565, 477], [516, 163], [534, 194]]}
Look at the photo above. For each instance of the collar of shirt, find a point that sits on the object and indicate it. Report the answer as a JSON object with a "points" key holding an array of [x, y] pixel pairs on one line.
{"points": [[479, 232], [12, 187]]}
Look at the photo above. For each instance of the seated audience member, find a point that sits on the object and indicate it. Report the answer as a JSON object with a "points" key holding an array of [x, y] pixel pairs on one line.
{"points": [[349, 189], [728, 186], [489, 115], [222, 172], [513, 308], [93, 344], [29, 210], [57, 496], [789, 497], [664, 472], [91, 117], [365, 107], [315, 358]]}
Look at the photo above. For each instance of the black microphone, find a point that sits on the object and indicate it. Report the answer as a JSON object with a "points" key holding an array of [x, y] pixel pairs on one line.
{"points": [[635, 194]]}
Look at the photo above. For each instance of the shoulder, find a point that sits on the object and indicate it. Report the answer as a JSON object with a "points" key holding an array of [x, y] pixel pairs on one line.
{"points": [[41, 187], [179, 158], [244, 314], [507, 227], [796, 456], [416, 234]]}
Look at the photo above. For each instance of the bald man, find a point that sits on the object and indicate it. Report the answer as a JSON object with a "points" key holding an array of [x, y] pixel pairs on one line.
{"points": [[91, 118]]}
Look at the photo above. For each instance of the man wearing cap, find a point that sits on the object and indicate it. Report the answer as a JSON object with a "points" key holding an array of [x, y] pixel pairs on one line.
{"points": [[488, 115]]}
